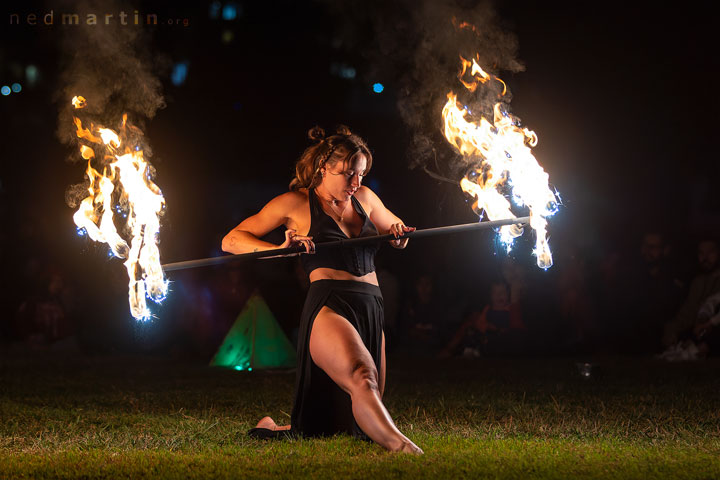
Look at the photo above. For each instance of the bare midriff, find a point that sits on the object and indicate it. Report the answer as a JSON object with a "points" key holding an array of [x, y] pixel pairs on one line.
{"points": [[333, 274]]}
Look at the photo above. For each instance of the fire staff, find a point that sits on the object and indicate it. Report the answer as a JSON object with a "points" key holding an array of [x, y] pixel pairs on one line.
{"points": [[341, 345]]}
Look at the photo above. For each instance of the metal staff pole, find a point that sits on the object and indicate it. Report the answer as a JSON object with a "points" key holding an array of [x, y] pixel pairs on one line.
{"points": [[426, 232]]}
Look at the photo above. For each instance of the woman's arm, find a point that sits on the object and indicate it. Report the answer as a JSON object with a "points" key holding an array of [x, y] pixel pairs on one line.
{"points": [[246, 236], [384, 219]]}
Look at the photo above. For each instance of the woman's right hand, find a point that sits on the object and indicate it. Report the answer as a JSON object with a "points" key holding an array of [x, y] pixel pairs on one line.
{"points": [[292, 239]]}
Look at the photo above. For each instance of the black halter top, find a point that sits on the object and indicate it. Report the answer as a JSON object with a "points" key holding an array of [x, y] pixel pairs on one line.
{"points": [[357, 260]]}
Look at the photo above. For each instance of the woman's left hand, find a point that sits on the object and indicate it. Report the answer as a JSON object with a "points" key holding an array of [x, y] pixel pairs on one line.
{"points": [[398, 230]]}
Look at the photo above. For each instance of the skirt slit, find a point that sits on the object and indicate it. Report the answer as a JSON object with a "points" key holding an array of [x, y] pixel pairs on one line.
{"points": [[321, 407]]}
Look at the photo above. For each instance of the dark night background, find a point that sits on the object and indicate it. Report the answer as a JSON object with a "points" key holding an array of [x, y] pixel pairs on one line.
{"points": [[622, 97]]}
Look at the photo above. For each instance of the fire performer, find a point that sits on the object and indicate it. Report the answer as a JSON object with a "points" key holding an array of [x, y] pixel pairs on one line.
{"points": [[341, 344]]}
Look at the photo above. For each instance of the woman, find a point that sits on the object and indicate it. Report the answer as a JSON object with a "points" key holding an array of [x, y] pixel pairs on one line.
{"points": [[341, 344]]}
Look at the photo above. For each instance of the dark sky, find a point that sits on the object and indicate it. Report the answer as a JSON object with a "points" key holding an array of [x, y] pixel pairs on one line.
{"points": [[622, 98]]}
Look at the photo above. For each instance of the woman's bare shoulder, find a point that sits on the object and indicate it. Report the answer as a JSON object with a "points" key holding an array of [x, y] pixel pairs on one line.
{"points": [[367, 197], [290, 200]]}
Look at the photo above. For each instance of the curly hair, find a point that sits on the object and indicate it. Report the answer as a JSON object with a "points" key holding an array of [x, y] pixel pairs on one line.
{"points": [[327, 150]]}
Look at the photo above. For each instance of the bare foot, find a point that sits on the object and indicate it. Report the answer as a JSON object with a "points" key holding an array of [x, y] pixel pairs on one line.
{"points": [[406, 446], [267, 422], [410, 447]]}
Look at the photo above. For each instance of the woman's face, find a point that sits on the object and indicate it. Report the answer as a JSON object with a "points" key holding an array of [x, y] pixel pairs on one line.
{"points": [[343, 179]]}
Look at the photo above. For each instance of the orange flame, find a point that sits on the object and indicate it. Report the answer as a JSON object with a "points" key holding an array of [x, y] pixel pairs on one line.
{"points": [[127, 179], [465, 25], [475, 70], [79, 102], [503, 151], [84, 132], [86, 152]]}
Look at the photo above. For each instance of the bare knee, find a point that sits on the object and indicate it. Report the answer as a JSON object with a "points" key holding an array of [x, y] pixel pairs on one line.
{"points": [[364, 378]]}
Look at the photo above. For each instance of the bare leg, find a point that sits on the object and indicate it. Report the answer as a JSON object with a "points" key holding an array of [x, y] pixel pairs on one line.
{"points": [[337, 349], [269, 423]]}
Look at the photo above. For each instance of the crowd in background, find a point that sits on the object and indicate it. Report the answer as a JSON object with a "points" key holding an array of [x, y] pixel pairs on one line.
{"points": [[647, 302]]}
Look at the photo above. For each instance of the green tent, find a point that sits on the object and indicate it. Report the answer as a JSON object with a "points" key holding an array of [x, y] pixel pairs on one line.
{"points": [[255, 340]]}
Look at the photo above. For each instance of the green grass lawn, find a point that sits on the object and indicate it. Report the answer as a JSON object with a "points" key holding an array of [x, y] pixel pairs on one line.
{"points": [[145, 417]]}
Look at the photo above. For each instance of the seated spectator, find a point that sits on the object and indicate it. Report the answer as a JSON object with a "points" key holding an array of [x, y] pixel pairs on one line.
{"points": [[575, 312], [655, 293], [695, 332], [494, 329], [610, 286], [43, 320], [423, 314], [706, 329], [705, 284]]}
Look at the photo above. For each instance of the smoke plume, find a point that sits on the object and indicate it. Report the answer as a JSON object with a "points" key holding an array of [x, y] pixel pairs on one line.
{"points": [[110, 65], [419, 44]]}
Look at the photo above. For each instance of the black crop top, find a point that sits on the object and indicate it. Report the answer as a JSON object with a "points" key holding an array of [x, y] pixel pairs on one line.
{"points": [[357, 260]]}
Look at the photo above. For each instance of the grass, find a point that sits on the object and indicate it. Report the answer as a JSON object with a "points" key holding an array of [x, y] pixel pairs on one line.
{"points": [[144, 417]]}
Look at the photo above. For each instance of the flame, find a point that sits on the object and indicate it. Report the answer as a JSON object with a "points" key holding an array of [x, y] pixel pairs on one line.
{"points": [[475, 80], [79, 102], [84, 132], [123, 189], [465, 25], [504, 155], [475, 70], [86, 152], [109, 137]]}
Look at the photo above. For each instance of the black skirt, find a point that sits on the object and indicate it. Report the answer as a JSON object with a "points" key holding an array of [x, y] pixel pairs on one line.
{"points": [[321, 407]]}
